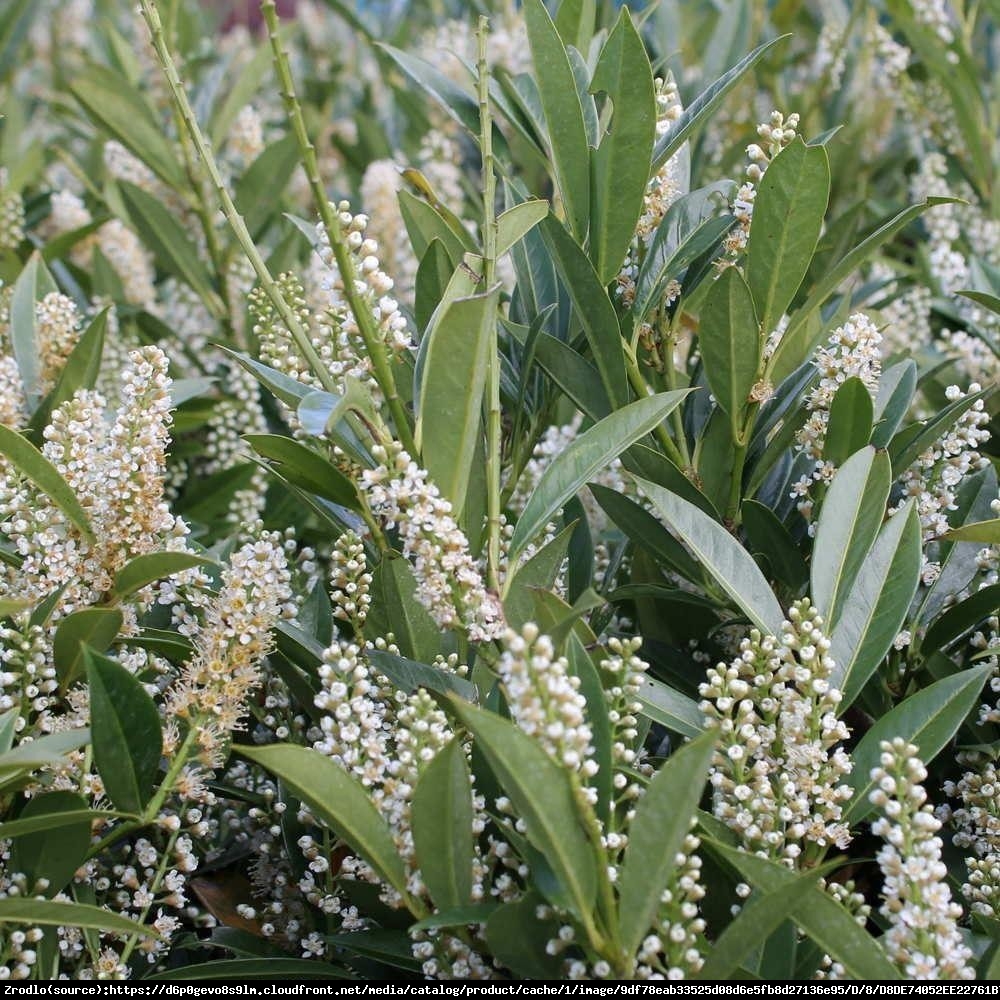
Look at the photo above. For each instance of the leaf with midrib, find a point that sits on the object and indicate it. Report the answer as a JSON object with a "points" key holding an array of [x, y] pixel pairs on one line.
{"points": [[33, 464], [656, 834], [853, 511], [730, 564], [787, 218], [442, 820], [592, 451], [95, 627], [544, 798], [338, 800], [146, 569], [928, 719], [20, 910]]}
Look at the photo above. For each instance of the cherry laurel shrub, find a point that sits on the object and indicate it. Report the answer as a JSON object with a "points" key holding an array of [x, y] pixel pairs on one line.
{"points": [[511, 499]]}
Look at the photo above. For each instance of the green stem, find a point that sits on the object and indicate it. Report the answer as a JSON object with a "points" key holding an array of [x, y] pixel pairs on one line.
{"points": [[494, 443], [299, 335], [638, 384], [356, 301]]}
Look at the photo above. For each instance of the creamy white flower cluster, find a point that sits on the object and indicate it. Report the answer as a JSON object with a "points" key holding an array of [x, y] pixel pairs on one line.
{"points": [[545, 699], [371, 283], [923, 939], [350, 580], [11, 214], [777, 132], [231, 640], [778, 769], [851, 352], [449, 582], [936, 475]]}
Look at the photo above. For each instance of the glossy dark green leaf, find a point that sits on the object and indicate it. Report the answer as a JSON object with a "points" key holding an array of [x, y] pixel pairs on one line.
{"points": [[961, 618], [544, 798], [409, 675], [146, 569], [563, 115], [517, 938], [876, 606], [721, 554], [593, 450], [394, 599], [850, 425], [127, 734], [42, 752], [55, 852], [451, 393], [787, 218], [849, 522], [337, 800], [620, 164], [49, 913], [305, 467], [730, 341], [662, 820], [93, 627], [928, 719], [670, 708], [768, 536], [259, 190], [582, 665], [442, 819], [895, 395]]}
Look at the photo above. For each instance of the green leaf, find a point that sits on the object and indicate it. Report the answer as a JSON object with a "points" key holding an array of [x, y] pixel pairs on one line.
{"points": [[120, 110], [258, 192], [730, 564], [337, 800], [514, 224], [451, 393], [730, 341], [424, 224], [567, 133], [166, 238], [31, 286], [544, 798], [53, 852], [758, 920], [79, 372], [670, 708], [409, 675], [787, 218], [127, 734], [582, 666], [575, 376], [395, 606], [850, 425], [517, 938], [928, 719], [458, 916], [43, 752], [656, 834], [593, 307], [21, 910], [442, 819], [239, 93], [144, 570], [984, 532], [592, 451], [961, 617], [769, 537], [849, 522], [575, 22], [701, 109], [895, 394], [537, 573], [825, 920], [234, 969], [306, 468], [28, 823], [876, 606], [792, 350], [620, 164], [691, 226], [27, 459], [290, 391], [94, 627]]}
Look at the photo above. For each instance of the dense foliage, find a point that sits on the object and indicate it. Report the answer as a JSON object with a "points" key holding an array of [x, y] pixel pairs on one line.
{"points": [[499, 497]]}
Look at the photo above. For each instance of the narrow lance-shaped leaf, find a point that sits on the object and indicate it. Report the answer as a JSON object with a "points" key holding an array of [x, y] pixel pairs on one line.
{"points": [[514, 224], [563, 115], [93, 627], [127, 733], [721, 554], [442, 819], [927, 719], [730, 341], [454, 376], [656, 834], [592, 451], [620, 164], [47, 912], [853, 511], [876, 606], [787, 218], [27, 459], [337, 800], [543, 796]]}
